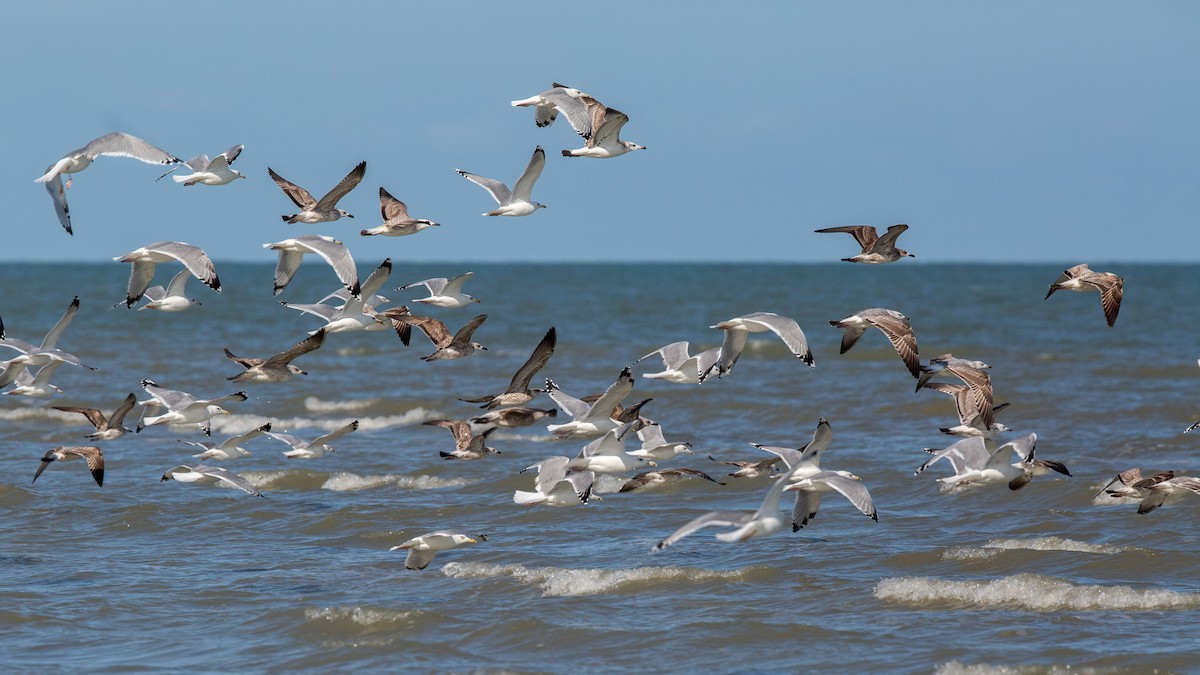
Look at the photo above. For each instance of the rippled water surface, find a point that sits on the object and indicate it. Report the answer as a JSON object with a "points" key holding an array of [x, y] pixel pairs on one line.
{"points": [[143, 574]]}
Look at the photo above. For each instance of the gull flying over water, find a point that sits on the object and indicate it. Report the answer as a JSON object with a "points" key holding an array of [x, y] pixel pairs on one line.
{"points": [[876, 250], [230, 448], [313, 211], [557, 484], [444, 292], [972, 374], [607, 454], [448, 346], [977, 461], [147, 258], [422, 549], [679, 366], [970, 418], [589, 421], [332, 251], [35, 385], [173, 297], [355, 313], [747, 469], [396, 221], [1150, 492], [278, 367], [116, 144], [737, 328], [655, 445], [107, 428], [648, 480], [62, 453], [34, 357], [316, 448], [202, 474], [1081, 279], [209, 172], [514, 417], [181, 407], [466, 444], [893, 324], [518, 391], [518, 201]]}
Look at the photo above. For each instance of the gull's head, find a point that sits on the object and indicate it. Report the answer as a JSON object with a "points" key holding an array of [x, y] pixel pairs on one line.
{"points": [[632, 146], [295, 370], [684, 448], [904, 253], [538, 206], [476, 345], [460, 539], [345, 214], [239, 174]]}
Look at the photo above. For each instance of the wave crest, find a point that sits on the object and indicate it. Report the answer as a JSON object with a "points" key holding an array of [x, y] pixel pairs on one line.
{"points": [[1032, 592], [563, 582], [995, 546]]}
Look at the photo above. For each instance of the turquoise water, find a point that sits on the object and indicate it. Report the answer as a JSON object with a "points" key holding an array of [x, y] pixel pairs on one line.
{"points": [[142, 574]]}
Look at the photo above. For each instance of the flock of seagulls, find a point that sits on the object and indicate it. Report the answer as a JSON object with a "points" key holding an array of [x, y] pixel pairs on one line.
{"points": [[602, 423]]}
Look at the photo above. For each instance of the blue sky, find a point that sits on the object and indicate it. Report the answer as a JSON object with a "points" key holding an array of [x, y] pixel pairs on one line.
{"points": [[1033, 131]]}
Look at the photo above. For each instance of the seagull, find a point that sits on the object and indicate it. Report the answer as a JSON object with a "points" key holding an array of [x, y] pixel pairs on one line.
{"points": [[334, 252], [559, 98], [656, 447], [448, 346], [116, 144], [1151, 492], [976, 461], [737, 328], [325, 210], [93, 455], [599, 125], [607, 455], [748, 524], [146, 258], [355, 313], [200, 473], [970, 420], [444, 292], [516, 202], [648, 480], [1128, 489], [423, 549], [36, 385], [876, 250], [278, 367], [47, 351], [181, 407], [605, 141], [513, 417], [518, 391], [1080, 278], [466, 444], [589, 421], [893, 324], [680, 367], [107, 428], [764, 467], [314, 449], [228, 449], [171, 298], [972, 374], [556, 484], [210, 172], [396, 221]]}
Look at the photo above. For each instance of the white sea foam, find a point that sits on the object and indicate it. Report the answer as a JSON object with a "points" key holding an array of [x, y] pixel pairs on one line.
{"points": [[344, 481], [1032, 592], [46, 413], [314, 404], [363, 616], [560, 582], [607, 483], [957, 668], [995, 546]]}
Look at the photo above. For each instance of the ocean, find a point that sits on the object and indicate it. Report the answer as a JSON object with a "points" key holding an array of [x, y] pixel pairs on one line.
{"points": [[148, 575]]}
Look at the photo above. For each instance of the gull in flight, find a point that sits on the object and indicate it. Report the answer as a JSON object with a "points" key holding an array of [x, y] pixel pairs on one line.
{"points": [[181, 407], [47, 351], [422, 549], [893, 324], [278, 367], [209, 172], [514, 417], [748, 524], [977, 461], [516, 202], [396, 221], [559, 98], [518, 391], [356, 313], [325, 210], [589, 421], [972, 374], [970, 419], [1150, 492], [107, 428], [448, 346], [557, 484], [35, 385], [202, 475], [93, 455], [607, 454], [172, 298], [599, 125], [116, 144], [763, 467], [737, 328], [649, 480], [444, 292], [466, 444], [147, 258], [316, 448], [1080, 278], [679, 366], [228, 449], [876, 250], [332, 251], [655, 445]]}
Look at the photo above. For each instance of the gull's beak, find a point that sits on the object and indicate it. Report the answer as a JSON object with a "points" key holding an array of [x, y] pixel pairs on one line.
{"points": [[471, 541]]}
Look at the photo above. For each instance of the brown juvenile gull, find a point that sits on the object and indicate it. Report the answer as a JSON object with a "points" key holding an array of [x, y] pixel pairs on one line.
{"points": [[422, 549], [518, 391], [448, 346], [893, 324], [107, 428], [648, 480], [876, 250], [972, 374], [514, 417], [116, 144], [737, 328], [147, 258], [1081, 279], [746, 469], [325, 210], [396, 221], [95, 459], [970, 419], [518, 201], [278, 367], [466, 444], [203, 474]]}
